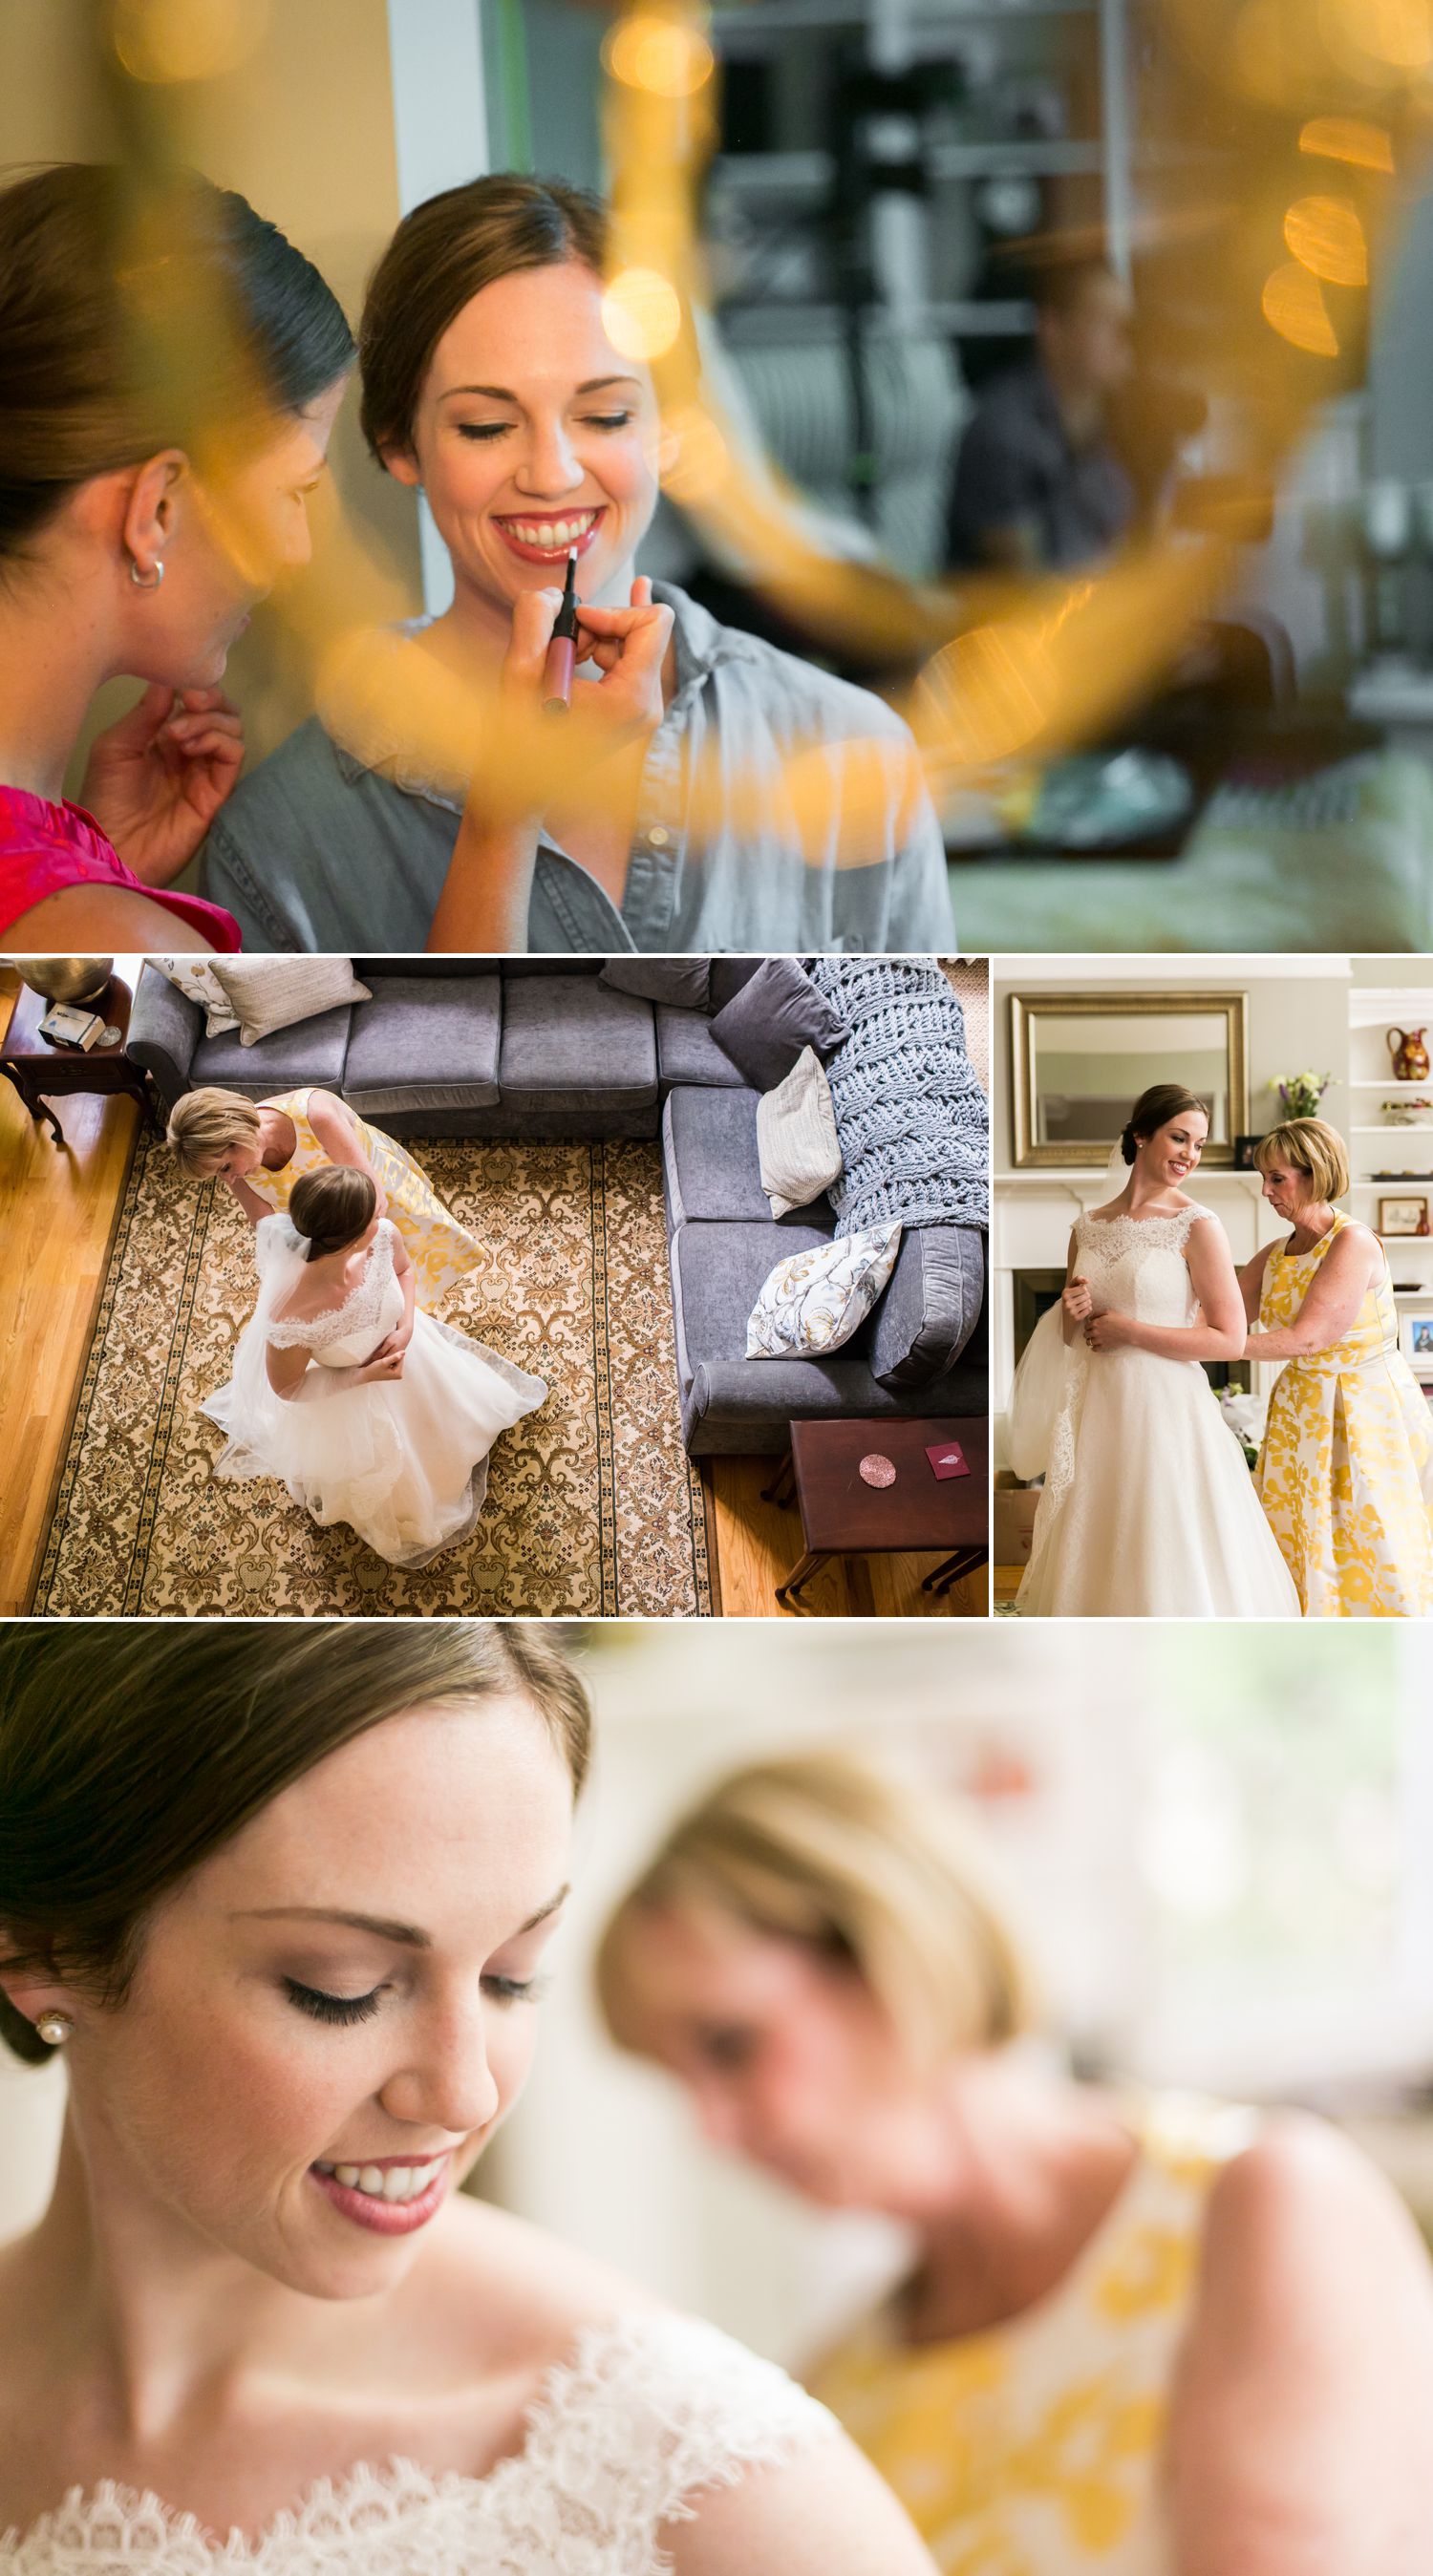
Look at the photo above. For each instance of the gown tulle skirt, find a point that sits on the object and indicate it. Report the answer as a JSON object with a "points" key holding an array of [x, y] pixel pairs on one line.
{"points": [[404, 1464], [1149, 1509]]}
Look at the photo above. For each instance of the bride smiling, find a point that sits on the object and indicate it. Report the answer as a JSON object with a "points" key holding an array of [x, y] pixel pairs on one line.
{"points": [[1148, 1509], [281, 1892]]}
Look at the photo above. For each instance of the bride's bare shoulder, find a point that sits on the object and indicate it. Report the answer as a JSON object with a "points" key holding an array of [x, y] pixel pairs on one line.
{"points": [[1102, 1215], [496, 2285]]}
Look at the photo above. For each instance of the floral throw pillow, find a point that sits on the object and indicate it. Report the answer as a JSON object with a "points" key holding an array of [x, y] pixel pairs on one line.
{"points": [[195, 977], [815, 1300]]}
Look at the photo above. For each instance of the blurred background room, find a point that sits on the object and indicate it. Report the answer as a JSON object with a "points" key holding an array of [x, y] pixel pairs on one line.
{"points": [[1056, 366]]}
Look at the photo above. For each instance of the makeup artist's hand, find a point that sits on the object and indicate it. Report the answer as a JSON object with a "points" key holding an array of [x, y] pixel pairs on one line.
{"points": [[629, 647], [156, 780]]}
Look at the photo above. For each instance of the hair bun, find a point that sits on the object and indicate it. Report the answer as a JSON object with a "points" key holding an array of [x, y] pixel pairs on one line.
{"points": [[1127, 1141]]}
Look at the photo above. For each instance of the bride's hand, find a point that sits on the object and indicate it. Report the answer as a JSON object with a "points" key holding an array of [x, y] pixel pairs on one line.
{"points": [[1108, 1332], [384, 1369], [1077, 1301], [395, 1342]]}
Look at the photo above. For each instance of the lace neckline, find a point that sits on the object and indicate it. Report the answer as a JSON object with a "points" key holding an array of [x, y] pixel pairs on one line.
{"points": [[399, 2489], [1122, 1216], [360, 1307]]}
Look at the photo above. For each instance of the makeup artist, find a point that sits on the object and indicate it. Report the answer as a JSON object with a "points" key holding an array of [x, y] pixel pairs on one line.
{"points": [[490, 382], [118, 554]]}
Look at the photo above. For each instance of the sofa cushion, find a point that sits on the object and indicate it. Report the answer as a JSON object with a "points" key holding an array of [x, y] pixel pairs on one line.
{"points": [[687, 1051], [718, 1272], [420, 1044], [312, 1052], [683, 981], [566, 1044], [710, 1160], [931, 1306], [766, 1025]]}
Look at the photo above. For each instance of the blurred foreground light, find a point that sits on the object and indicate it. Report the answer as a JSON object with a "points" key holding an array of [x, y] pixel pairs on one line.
{"points": [[1373, 37], [701, 461], [186, 40], [1325, 235], [1294, 307], [1351, 139], [641, 313], [660, 55]]}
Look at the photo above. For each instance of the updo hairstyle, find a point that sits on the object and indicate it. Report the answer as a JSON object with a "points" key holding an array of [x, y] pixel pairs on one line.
{"points": [[332, 1207], [132, 323], [1153, 1110], [130, 1753], [442, 255]]}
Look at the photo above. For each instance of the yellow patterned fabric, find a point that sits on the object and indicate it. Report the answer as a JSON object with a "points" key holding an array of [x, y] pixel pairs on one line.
{"points": [[441, 1250], [1346, 1460], [1036, 2449]]}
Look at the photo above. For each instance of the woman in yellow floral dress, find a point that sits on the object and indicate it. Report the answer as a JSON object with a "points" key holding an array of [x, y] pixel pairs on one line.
{"points": [[1347, 1463], [1141, 2337], [261, 1148]]}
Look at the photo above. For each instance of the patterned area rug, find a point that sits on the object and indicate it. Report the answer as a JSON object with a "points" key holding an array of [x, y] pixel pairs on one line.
{"points": [[593, 1508]]}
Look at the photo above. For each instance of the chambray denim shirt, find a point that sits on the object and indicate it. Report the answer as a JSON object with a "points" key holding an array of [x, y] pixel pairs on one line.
{"points": [[322, 849]]}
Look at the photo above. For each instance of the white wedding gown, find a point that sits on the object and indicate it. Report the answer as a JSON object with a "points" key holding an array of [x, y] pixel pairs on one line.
{"points": [[651, 2410], [404, 1463], [1149, 1510]]}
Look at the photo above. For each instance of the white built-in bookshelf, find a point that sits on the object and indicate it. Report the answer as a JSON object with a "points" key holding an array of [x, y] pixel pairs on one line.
{"points": [[1389, 1160]]}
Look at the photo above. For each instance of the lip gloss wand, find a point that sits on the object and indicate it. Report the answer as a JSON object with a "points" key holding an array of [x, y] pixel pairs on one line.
{"points": [[561, 659]]}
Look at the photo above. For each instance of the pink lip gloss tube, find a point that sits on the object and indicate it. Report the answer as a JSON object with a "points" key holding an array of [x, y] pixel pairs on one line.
{"points": [[561, 659]]}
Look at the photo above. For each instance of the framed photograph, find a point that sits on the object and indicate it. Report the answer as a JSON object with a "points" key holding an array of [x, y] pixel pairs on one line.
{"points": [[1079, 1062], [1416, 1335], [1402, 1215], [1245, 1148]]}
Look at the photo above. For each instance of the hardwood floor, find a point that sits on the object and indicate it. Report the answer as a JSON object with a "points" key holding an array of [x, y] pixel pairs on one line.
{"points": [[58, 1208], [757, 1544]]}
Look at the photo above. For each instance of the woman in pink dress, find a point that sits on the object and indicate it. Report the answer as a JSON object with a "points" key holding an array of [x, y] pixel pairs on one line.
{"points": [[172, 371]]}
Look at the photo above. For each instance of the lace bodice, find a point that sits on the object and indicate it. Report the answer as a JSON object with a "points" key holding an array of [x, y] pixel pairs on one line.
{"points": [[1137, 1265], [365, 1315], [623, 2437]]}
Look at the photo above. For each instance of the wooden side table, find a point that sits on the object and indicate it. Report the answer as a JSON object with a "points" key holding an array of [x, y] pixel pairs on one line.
{"points": [[42, 1073], [844, 1515]]}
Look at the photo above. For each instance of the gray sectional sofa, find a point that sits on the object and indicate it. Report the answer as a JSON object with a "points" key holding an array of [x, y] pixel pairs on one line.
{"points": [[540, 1047]]}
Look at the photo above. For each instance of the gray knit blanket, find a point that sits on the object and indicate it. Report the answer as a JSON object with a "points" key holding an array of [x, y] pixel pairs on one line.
{"points": [[911, 1119]]}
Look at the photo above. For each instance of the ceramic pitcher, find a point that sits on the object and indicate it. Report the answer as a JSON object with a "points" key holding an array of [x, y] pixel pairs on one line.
{"points": [[1410, 1055]]}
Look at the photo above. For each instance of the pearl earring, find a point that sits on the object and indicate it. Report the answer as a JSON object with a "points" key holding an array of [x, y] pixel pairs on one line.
{"points": [[146, 581], [55, 2028]]}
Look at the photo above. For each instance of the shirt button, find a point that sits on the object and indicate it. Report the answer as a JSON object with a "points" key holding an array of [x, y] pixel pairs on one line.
{"points": [[659, 836]]}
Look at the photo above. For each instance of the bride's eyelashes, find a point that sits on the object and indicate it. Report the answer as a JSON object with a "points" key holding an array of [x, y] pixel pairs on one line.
{"points": [[332, 2008], [347, 2009]]}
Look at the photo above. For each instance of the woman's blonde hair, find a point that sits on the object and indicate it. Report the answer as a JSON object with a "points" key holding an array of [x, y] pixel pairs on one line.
{"points": [[1313, 1148], [205, 1123], [829, 1849]]}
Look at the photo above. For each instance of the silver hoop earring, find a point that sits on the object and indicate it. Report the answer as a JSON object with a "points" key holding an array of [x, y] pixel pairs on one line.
{"points": [[55, 2028], [146, 581]]}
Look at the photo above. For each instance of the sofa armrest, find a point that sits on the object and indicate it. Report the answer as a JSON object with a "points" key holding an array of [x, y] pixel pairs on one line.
{"points": [[165, 1027]]}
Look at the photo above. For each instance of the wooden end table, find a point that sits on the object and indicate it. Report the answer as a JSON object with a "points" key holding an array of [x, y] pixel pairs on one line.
{"points": [[42, 1073], [843, 1515]]}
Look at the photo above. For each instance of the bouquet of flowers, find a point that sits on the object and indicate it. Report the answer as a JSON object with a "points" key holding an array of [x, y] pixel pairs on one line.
{"points": [[1302, 1092]]}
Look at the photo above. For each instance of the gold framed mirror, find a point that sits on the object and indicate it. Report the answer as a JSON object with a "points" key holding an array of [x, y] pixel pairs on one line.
{"points": [[1079, 1061]]}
